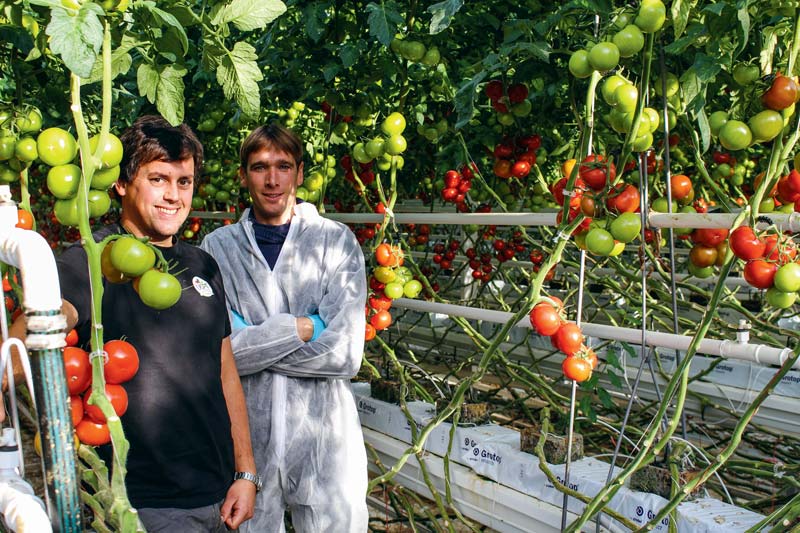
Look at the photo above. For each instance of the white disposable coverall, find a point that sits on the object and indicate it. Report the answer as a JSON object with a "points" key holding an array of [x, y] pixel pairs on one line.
{"points": [[306, 434]]}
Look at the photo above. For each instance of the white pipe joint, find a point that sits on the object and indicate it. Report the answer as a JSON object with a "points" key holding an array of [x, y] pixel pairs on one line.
{"points": [[31, 254]]}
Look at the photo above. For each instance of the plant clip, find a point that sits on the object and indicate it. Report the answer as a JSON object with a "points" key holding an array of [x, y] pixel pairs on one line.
{"points": [[99, 353]]}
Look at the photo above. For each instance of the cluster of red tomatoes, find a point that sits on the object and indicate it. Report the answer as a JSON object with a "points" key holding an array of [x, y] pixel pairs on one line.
{"points": [[456, 186], [546, 319], [515, 158], [390, 280], [508, 102], [121, 365], [769, 263]]}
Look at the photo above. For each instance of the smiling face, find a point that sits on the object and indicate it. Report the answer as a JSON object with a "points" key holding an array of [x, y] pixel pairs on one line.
{"points": [[156, 202], [272, 177]]}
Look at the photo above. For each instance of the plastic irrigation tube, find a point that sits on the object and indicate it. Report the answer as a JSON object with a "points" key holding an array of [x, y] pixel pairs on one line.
{"points": [[758, 353], [30, 253], [784, 221]]}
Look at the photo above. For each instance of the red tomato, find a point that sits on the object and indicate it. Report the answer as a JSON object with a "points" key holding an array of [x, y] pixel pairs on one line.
{"points": [[710, 237], [72, 338], [577, 369], [502, 168], [759, 273], [494, 89], [77, 368], [116, 395], [681, 186], [569, 338], [703, 256], [545, 319], [380, 303], [521, 169], [596, 171], [383, 254], [24, 219], [91, 433], [623, 198], [745, 244], [503, 151], [122, 363], [381, 320], [369, 332], [76, 409], [781, 94]]}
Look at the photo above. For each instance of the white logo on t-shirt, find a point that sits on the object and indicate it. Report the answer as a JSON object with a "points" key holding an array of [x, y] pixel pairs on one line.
{"points": [[202, 287]]}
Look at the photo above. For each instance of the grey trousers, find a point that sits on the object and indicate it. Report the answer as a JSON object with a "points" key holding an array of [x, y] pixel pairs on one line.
{"points": [[171, 520]]}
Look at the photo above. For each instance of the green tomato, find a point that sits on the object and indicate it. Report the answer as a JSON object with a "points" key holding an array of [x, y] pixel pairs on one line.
{"points": [[111, 154], [716, 121], [672, 85], [780, 299], [159, 290], [735, 135], [374, 148], [599, 242], [7, 175], [506, 119], [105, 178], [765, 125], [579, 64], [395, 145], [66, 211], [63, 181], [7, 144], [132, 257], [607, 90], [653, 117], [30, 122], [626, 96], [522, 109], [604, 56], [700, 272], [302, 193], [393, 290], [384, 274], [99, 202], [25, 150], [412, 288], [787, 278], [651, 17], [431, 57], [661, 205], [56, 147], [314, 181], [744, 73], [360, 153], [642, 142], [629, 40], [626, 227]]}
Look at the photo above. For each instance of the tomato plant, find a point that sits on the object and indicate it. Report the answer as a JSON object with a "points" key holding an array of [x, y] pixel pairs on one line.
{"points": [[116, 395]]}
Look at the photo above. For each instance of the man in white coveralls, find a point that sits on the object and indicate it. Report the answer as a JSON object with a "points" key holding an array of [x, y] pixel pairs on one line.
{"points": [[296, 287]]}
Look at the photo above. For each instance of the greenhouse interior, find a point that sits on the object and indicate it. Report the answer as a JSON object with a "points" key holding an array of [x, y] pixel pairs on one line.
{"points": [[570, 227]]}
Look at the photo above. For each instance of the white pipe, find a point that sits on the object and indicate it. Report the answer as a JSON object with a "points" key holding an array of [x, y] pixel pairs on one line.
{"points": [[31, 254], [759, 353], [784, 221], [20, 508]]}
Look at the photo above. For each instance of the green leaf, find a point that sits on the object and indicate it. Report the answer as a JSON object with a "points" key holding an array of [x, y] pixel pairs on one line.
{"points": [[164, 18], [587, 409], [705, 130], [443, 13], [184, 15], [330, 71], [613, 360], [163, 86], [349, 54], [614, 379], [680, 11], [47, 3], [212, 54], [693, 33], [238, 74], [315, 17], [383, 21], [605, 398], [465, 100], [248, 15], [17, 36], [538, 50], [744, 21], [121, 60], [77, 38]]}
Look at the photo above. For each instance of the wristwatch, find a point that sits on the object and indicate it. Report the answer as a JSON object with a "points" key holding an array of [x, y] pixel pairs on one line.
{"points": [[255, 479]]}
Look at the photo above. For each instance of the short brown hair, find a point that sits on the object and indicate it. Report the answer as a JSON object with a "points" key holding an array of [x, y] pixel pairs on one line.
{"points": [[275, 136], [152, 138]]}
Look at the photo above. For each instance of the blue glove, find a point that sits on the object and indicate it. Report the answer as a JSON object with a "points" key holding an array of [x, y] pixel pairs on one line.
{"points": [[238, 321], [319, 326]]}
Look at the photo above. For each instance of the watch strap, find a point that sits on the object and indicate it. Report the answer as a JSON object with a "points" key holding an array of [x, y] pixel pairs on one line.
{"points": [[249, 476]]}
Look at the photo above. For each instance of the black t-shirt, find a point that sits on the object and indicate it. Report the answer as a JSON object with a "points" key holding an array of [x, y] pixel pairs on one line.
{"points": [[181, 449]]}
